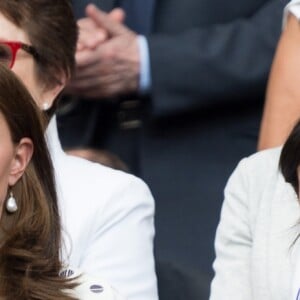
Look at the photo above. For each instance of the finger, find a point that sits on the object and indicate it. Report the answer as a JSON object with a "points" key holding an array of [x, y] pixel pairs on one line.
{"points": [[117, 14], [91, 39], [101, 53], [79, 46], [103, 20], [89, 34], [86, 24], [98, 70], [83, 84], [87, 72], [86, 57]]}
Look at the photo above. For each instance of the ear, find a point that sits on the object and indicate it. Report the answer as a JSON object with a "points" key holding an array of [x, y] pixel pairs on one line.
{"points": [[22, 157], [49, 95]]}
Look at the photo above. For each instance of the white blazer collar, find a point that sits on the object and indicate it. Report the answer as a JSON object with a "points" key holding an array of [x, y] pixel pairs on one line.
{"points": [[52, 139]]}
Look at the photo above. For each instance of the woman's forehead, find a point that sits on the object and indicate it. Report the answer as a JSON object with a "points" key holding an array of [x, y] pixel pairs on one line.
{"points": [[10, 32]]}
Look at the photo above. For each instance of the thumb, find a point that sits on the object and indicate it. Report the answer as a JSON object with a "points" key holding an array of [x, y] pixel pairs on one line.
{"points": [[103, 20]]}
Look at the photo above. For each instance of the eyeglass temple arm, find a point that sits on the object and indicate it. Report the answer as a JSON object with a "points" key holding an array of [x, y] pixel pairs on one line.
{"points": [[30, 50]]}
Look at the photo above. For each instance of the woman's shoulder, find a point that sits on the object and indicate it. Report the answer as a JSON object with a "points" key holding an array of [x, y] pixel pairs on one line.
{"points": [[96, 176], [293, 2], [90, 288], [255, 174], [292, 7], [265, 161], [100, 185]]}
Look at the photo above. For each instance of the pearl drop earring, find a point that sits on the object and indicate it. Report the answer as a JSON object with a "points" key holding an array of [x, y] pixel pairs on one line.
{"points": [[46, 106], [11, 204]]}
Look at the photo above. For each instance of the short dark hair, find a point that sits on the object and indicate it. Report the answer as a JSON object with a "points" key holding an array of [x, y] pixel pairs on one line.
{"points": [[52, 30]]}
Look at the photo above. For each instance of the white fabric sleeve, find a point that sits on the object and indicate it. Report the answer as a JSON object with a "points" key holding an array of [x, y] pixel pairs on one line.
{"points": [[294, 8], [233, 242], [127, 231]]}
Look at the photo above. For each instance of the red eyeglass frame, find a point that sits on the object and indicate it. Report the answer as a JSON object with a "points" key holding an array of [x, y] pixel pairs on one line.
{"points": [[15, 46]]}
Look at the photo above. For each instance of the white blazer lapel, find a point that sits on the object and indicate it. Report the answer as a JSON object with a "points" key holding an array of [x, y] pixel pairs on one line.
{"points": [[283, 232]]}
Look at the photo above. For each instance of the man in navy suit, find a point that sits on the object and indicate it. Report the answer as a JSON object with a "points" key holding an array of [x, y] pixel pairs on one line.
{"points": [[179, 99]]}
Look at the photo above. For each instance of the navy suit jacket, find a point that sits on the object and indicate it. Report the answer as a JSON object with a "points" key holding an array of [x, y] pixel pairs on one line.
{"points": [[210, 61]]}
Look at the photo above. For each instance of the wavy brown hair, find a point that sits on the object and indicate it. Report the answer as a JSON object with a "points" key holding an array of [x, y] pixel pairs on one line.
{"points": [[30, 239], [52, 30]]}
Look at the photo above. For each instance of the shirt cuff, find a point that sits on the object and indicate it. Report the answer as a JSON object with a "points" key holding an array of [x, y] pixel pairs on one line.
{"points": [[145, 69], [293, 8]]}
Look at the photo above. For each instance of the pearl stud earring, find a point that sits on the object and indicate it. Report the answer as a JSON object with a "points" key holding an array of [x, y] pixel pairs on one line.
{"points": [[46, 106]]}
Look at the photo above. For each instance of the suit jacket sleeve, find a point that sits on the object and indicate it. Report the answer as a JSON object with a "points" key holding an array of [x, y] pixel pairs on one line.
{"points": [[233, 241], [215, 64]]}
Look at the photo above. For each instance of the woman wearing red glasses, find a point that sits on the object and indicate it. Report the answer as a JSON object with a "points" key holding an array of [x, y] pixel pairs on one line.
{"points": [[107, 215]]}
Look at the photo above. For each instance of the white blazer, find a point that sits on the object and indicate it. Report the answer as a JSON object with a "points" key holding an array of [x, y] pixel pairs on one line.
{"points": [[255, 255], [107, 217], [90, 288]]}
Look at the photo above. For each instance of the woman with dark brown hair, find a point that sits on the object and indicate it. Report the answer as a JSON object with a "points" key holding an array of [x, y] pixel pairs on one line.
{"points": [[30, 233], [107, 215], [30, 229]]}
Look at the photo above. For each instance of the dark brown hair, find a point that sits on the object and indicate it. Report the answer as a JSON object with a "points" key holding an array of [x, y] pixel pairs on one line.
{"points": [[52, 31], [290, 158], [30, 239]]}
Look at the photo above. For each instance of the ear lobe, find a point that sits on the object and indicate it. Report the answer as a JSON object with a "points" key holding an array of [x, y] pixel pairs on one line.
{"points": [[58, 87], [50, 94], [23, 154]]}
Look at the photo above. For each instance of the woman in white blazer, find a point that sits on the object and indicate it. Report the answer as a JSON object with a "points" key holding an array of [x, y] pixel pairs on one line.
{"points": [[257, 240], [257, 246], [257, 251], [255, 255], [107, 215]]}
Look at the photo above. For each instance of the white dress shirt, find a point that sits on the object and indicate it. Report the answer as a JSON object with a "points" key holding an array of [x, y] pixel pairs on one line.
{"points": [[107, 217]]}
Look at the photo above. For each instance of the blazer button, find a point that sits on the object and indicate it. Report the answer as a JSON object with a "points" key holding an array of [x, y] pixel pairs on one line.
{"points": [[97, 289]]}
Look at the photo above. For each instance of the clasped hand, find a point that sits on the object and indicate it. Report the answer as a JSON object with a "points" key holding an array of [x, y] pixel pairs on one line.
{"points": [[107, 56]]}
